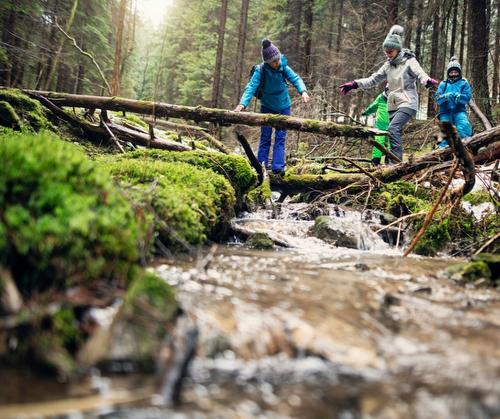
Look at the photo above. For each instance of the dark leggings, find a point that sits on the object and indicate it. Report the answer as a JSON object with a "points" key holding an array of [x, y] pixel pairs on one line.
{"points": [[398, 121]]}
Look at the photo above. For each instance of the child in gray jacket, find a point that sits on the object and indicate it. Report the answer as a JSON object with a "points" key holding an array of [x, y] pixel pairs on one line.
{"points": [[400, 70]]}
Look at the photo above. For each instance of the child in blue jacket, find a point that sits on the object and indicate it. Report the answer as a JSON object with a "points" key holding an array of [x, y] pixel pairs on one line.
{"points": [[274, 98], [452, 97]]}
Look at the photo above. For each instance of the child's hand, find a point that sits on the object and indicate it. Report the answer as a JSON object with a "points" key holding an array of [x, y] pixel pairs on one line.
{"points": [[239, 108], [305, 97]]}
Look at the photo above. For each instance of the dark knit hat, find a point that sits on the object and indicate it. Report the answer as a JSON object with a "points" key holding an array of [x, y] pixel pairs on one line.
{"points": [[393, 39], [270, 52], [453, 65]]}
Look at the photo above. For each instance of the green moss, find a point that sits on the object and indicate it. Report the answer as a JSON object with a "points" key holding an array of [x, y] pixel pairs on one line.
{"points": [[155, 292], [9, 117], [136, 120], [260, 241], [401, 198], [186, 204], [66, 328], [476, 198], [29, 110], [235, 168], [259, 196], [63, 219], [312, 124]]}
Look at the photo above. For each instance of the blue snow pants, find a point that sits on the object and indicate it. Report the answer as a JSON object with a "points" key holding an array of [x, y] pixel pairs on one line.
{"points": [[278, 162], [461, 122]]}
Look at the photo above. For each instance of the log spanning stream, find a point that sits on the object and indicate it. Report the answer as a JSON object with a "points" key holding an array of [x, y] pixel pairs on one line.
{"points": [[312, 331]]}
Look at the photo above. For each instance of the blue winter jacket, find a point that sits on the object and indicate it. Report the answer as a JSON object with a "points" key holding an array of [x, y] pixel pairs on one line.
{"points": [[275, 93], [452, 96]]}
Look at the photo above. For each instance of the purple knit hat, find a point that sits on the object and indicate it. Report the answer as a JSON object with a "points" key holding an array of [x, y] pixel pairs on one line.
{"points": [[270, 52]]}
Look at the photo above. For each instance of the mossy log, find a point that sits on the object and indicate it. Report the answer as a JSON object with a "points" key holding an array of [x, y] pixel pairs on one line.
{"points": [[303, 183], [99, 131], [190, 130], [200, 113]]}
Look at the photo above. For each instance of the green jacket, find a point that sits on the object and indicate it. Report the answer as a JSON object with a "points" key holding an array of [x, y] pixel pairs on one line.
{"points": [[379, 105]]}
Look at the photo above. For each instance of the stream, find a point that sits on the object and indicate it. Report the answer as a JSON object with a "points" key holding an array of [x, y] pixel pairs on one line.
{"points": [[312, 331]]}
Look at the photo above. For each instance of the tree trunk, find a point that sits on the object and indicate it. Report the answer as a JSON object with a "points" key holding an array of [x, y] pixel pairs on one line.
{"points": [[496, 60], [434, 59], [478, 54], [115, 82], [418, 30], [308, 19], [55, 60], [454, 28], [7, 30], [411, 23], [392, 12], [216, 88], [200, 113], [240, 58], [339, 27], [462, 35]]}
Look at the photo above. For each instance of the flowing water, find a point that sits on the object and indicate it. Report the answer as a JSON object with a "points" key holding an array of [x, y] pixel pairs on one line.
{"points": [[318, 331]]}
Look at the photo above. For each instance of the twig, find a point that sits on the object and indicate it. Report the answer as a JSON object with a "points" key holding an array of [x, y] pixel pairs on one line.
{"points": [[87, 54], [115, 140], [400, 219], [429, 216], [484, 246], [377, 181]]}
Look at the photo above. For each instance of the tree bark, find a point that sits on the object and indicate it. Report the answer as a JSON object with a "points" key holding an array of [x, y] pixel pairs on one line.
{"points": [[434, 59], [462, 34], [478, 54], [115, 81], [201, 113], [55, 60], [454, 28], [242, 36], [308, 20], [496, 59], [418, 30], [216, 88], [411, 23], [392, 12]]}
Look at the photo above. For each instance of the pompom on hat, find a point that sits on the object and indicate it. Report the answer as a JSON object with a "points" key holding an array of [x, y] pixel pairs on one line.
{"points": [[270, 52], [393, 40]]}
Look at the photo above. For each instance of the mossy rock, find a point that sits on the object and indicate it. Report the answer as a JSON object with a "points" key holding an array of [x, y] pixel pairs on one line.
{"points": [[260, 241], [29, 110], [9, 117], [62, 219], [259, 196], [493, 262], [235, 168], [184, 204], [335, 235], [141, 325], [470, 272]]}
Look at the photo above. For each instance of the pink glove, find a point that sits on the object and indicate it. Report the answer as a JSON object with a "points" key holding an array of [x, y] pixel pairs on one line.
{"points": [[347, 87], [431, 82]]}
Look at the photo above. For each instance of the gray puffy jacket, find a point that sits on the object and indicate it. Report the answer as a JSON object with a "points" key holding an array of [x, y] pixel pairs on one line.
{"points": [[400, 74]]}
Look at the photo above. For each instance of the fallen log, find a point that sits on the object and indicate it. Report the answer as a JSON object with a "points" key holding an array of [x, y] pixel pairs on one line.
{"points": [[330, 182], [190, 130], [99, 132], [200, 113]]}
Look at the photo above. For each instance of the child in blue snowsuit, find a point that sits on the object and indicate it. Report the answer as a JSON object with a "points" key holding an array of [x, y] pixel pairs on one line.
{"points": [[452, 97], [274, 99]]}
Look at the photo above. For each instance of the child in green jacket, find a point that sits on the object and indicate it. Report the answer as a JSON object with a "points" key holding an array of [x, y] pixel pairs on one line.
{"points": [[379, 108]]}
